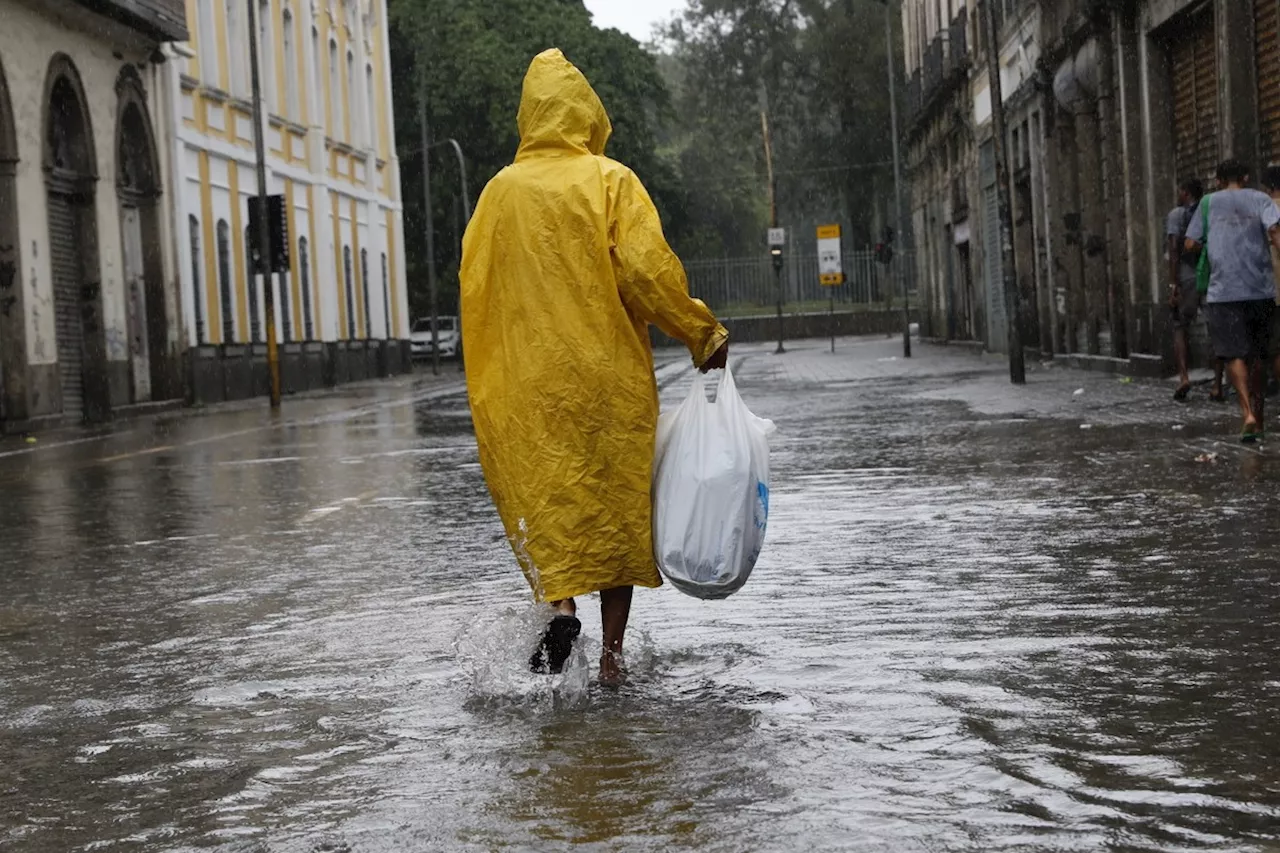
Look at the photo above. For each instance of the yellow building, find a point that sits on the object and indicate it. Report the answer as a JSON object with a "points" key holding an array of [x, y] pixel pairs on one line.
{"points": [[341, 310]]}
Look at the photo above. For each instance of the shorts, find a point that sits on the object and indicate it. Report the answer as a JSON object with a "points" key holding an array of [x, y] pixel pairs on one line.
{"points": [[1275, 333], [1188, 306], [1241, 329]]}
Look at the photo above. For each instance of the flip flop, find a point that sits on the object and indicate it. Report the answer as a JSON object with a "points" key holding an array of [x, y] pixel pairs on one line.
{"points": [[556, 645], [1180, 395], [1220, 397], [1251, 434]]}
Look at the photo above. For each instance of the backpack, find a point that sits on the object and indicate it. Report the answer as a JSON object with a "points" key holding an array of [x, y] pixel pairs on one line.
{"points": [[1203, 272]]}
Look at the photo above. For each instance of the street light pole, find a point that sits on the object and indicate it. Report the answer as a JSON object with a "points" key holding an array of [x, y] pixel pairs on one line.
{"points": [[1017, 365], [466, 220], [265, 261], [897, 175], [426, 213]]}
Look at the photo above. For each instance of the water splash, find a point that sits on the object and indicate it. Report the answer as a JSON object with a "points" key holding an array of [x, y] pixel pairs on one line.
{"points": [[493, 654]]}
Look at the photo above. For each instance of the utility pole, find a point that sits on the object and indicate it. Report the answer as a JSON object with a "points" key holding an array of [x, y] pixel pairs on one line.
{"points": [[426, 211], [466, 220], [265, 261], [775, 250], [897, 175], [1017, 365]]}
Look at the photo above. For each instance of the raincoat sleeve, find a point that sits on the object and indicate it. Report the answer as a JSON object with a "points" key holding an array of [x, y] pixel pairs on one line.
{"points": [[650, 277]]}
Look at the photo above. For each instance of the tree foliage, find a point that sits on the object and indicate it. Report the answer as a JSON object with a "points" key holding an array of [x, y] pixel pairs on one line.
{"points": [[817, 67], [686, 116], [475, 54]]}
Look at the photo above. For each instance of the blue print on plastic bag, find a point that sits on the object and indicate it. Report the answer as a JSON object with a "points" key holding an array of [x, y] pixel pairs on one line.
{"points": [[762, 505]]}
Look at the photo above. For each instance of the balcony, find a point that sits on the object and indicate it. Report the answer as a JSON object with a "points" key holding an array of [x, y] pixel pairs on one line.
{"points": [[160, 20]]}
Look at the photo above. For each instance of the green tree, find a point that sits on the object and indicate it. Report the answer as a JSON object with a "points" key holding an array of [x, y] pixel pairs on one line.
{"points": [[475, 54]]}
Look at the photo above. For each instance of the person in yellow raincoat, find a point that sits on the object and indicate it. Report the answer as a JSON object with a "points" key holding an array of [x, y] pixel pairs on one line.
{"points": [[564, 266]]}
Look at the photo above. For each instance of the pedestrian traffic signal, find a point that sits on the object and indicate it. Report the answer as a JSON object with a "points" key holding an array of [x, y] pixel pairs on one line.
{"points": [[776, 252], [884, 253]]}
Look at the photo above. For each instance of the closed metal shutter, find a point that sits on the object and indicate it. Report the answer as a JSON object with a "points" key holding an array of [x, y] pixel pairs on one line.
{"points": [[1266, 29], [1194, 57], [64, 255]]}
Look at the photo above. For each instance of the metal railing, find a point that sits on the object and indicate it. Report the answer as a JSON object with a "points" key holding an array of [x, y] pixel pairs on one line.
{"points": [[743, 287]]}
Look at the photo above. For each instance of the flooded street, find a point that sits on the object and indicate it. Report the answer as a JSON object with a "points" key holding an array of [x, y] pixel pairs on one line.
{"points": [[984, 619]]}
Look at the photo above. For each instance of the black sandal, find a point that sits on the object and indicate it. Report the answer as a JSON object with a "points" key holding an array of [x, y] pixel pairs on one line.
{"points": [[1219, 397], [1180, 395], [556, 645]]}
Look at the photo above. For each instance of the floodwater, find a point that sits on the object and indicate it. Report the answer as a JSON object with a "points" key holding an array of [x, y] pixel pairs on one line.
{"points": [[976, 626]]}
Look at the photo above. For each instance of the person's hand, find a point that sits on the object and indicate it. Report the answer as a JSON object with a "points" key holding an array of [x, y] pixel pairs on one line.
{"points": [[1173, 296], [719, 359]]}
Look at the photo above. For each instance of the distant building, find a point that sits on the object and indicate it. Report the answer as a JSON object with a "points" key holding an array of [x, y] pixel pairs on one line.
{"points": [[342, 310], [88, 306], [1108, 106]]}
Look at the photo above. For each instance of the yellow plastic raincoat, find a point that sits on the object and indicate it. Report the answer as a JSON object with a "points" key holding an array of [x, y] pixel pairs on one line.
{"points": [[564, 265]]}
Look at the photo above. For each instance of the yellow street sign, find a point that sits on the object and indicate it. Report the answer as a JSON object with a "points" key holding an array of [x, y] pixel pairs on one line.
{"points": [[828, 232], [831, 279]]}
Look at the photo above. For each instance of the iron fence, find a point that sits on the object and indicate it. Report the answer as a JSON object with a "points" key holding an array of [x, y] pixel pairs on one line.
{"points": [[741, 287]]}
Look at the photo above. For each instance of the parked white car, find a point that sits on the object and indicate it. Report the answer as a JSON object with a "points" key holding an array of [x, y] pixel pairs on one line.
{"points": [[446, 334]]}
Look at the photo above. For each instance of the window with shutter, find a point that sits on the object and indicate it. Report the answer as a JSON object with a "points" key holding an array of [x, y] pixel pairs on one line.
{"points": [[1193, 56], [1266, 30]]}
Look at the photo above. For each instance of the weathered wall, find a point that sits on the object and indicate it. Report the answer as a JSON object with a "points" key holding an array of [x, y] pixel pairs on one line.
{"points": [[28, 41]]}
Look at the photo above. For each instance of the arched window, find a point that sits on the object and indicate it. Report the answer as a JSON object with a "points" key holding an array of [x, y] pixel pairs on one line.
{"points": [[237, 38], [364, 287], [290, 66], [386, 297], [336, 122], [224, 282], [197, 295], [353, 100], [207, 37], [304, 276], [315, 114], [251, 288], [371, 108], [267, 56], [351, 293]]}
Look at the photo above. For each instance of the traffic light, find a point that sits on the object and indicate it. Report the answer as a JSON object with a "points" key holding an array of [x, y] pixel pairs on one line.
{"points": [[776, 252], [278, 224], [884, 253]]}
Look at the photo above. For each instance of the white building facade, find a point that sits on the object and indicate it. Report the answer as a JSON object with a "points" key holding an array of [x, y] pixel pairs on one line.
{"points": [[342, 308], [89, 310]]}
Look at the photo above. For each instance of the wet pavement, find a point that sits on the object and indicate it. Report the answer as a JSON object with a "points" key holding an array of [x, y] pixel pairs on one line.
{"points": [[1042, 619]]}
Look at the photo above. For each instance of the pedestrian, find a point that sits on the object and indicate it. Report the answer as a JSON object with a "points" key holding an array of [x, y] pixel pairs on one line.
{"points": [[1242, 225], [1271, 181], [1184, 297], [564, 267]]}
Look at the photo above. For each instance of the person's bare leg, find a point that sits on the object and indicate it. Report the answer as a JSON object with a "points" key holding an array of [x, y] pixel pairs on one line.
{"points": [[615, 609], [1239, 374], [1219, 368], [1258, 389], [1180, 357]]}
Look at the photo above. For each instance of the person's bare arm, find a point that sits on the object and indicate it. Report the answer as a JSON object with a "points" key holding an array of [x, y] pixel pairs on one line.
{"points": [[1274, 233], [1175, 255], [1192, 247]]}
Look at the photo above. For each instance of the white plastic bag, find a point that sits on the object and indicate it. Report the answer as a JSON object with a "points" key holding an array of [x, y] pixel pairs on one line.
{"points": [[710, 491]]}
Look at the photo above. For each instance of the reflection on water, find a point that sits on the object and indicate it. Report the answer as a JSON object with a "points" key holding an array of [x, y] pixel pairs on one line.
{"points": [[968, 631]]}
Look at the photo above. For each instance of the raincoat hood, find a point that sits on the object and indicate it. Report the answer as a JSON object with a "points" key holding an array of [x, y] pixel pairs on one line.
{"points": [[559, 109]]}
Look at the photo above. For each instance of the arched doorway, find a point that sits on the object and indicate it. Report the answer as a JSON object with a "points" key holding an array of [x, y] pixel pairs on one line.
{"points": [[70, 176], [13, 329], [152, 362]]}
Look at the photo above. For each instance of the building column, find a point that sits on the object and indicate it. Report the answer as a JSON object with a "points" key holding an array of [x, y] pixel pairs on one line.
{"points": [[1138, 215], [1237, 82]]}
